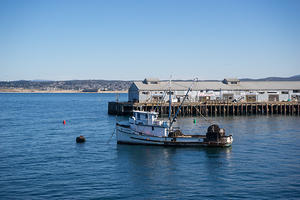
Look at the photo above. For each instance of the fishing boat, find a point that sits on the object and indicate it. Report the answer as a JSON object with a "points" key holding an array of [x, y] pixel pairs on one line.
{"points": [[144, 127]]}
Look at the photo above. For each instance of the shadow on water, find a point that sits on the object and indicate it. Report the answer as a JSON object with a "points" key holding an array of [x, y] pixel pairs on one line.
{"points": [[169, 150], [161, 169], [140, 155]]}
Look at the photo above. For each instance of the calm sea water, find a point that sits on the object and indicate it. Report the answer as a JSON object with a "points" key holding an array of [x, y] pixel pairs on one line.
{"points": [[40, 159]]}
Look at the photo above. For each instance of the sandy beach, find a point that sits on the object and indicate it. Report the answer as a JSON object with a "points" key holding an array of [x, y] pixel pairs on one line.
{"points": [[52, 91]]}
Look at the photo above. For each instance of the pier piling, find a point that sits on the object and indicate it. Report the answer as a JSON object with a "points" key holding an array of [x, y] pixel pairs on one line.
{"points": [[209, 108]]}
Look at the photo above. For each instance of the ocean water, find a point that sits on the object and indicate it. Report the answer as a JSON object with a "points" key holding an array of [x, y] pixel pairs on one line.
{"points": [[39, 158]]}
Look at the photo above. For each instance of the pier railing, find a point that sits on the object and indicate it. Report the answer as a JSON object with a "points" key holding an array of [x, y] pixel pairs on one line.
{"points": [[210, 108]]}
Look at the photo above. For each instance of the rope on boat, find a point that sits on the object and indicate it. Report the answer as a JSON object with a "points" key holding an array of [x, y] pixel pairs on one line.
{"points": [[111, 136], [209, 121]]}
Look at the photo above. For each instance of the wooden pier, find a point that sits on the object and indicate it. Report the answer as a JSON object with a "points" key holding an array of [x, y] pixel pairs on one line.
{"points": [[209, 108]]}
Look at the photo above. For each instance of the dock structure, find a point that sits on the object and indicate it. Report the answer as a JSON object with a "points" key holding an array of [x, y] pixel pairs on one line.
{"points": [[211, 98], [209, 108]]}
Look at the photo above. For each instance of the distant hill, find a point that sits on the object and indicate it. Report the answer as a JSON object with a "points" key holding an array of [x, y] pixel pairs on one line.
{"points": [[101, 85], [292, 78], [78, 85]]}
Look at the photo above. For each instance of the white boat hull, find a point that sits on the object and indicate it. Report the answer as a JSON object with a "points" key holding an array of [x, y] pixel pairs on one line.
{"points": [[128, 136]]}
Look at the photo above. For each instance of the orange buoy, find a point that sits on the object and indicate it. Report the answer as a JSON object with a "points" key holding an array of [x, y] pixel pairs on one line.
{"points": [[64, 122]]}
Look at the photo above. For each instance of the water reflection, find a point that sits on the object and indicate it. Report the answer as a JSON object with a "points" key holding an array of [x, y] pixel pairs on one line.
{"points": [[217, 161], [154, 162], [150, 157], [218, 152]]}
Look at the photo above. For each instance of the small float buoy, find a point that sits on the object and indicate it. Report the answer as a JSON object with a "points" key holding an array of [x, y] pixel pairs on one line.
{"points": [[64, 122], [80, 139]]}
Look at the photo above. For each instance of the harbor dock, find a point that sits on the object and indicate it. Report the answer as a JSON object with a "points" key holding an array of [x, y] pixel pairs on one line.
{"points": [[209, 108]]}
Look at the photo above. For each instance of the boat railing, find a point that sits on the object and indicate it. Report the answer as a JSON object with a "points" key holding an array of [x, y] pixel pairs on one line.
{"points": [[157, 122]]}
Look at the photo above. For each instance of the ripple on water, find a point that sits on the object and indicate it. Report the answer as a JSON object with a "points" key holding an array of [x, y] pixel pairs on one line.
{"points": [[40, 158]]}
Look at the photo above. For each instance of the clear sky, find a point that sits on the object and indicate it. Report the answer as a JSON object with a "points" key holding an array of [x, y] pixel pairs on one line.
{"points": [[130, 40]]}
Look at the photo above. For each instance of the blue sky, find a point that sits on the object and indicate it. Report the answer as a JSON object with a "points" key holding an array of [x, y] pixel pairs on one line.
{"points": [[130, 40]]}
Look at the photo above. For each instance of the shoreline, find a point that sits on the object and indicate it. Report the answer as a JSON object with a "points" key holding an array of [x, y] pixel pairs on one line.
{"points": [[55, 91]]}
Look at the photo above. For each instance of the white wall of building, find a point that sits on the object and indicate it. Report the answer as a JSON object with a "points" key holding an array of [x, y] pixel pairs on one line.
{"points": [[195, 96], [133, 93]]}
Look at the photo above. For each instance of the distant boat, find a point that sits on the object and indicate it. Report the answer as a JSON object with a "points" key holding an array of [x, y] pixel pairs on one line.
{"points": [[145, 128]]}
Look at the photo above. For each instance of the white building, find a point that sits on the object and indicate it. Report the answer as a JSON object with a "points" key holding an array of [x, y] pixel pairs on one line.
{"points": [[153, 90]]}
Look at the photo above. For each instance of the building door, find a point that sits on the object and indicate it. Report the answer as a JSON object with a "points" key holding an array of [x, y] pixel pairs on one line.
{"points": [[156, 99], [295, 97], [273, 97], [228, 97], [204, 98], [251, 98]]}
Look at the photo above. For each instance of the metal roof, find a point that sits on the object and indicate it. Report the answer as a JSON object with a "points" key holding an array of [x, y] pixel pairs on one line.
{"points": [[151, 80], [217, 85]]}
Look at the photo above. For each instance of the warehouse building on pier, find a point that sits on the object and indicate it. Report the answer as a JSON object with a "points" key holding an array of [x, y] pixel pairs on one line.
{"points": [[154, 90]]}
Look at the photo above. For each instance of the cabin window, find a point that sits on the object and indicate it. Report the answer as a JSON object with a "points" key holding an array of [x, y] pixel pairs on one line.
{"points": [[171, 93], [296, 91], [152, 128], [272, 92], [145, 92], [261, 92], [138, 116], [284, 92], [233, 82]]}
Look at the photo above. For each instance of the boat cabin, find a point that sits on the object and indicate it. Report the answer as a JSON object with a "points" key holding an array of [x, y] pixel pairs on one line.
{"points": [[145, 118], [147, 122]]}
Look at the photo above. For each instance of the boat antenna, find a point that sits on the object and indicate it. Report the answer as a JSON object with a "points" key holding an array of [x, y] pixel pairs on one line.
{"points": [[186, 95], [170, 99]]}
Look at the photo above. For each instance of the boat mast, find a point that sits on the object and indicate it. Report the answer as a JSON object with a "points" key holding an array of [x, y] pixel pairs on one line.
{"points": [[170, 100], [190, 88]]}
